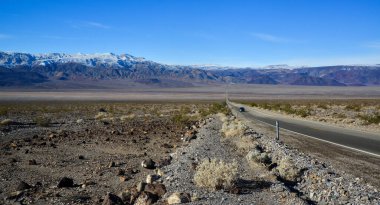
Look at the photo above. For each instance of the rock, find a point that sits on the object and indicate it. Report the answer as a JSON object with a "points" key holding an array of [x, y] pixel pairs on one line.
{"points": [[149, 179], [157, 189], [140, 186], [124, 178], [22, 186], [159, 172], [165, 161], [148, 164], [111, 164], [80, 157], [120, 172], [13, 145], [80, 121], [66, 182], [125, 196], [167, 146], [112, 199], [146, 198], [15, 195], [178, 198], [32, 162], [190, 135]]}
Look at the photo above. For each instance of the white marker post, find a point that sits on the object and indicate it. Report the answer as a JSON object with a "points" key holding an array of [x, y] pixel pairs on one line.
{"points": [[277, 130]]}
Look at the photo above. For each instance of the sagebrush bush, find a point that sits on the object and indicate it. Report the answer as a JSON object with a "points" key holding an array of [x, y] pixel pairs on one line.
{"points": [[127, 117], [216, 174], [214, 109], [370, 119], [101, 115], [42, 121], [354, 107], [288, 170], [257, 156], [233, 128]]}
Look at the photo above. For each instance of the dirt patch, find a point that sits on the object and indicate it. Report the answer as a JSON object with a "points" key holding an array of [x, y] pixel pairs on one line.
{"points": [[97, 153]]}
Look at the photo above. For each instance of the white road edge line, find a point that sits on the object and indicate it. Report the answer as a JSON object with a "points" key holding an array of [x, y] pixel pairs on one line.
{"points": [[334, 143]]}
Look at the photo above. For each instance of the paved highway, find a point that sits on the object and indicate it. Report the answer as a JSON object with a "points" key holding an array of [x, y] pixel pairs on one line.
{"points": [[352, 139]]}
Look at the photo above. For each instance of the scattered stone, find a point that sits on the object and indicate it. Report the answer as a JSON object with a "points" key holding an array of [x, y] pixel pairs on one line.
{"points": [[164, 161], [148, 164], [32, 162], [124, 178], [111, 164], [22, 186], [167, 146], [150, 178], [190, 135], [15, 195], [65, 182], [146, 198], [178, 198], [80, 121], [112, 199], [125, 196], [120, 172], [140, 186], [157, 189]]}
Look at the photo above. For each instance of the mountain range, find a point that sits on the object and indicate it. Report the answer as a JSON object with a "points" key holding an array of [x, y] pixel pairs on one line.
{"points": [[44, 70]]}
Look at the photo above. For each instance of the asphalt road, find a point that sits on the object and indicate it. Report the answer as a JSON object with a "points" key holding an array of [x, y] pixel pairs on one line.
{"points": [[351, 139]]}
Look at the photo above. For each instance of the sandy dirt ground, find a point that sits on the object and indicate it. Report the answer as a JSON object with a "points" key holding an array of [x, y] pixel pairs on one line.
{"points": [[235, 92]]}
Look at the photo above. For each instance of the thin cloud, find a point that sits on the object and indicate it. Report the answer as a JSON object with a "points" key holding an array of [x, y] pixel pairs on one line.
{"points": [[59, 37], [5, 36], [272, 38], [96, 25], [374, 44], [89, 24]]}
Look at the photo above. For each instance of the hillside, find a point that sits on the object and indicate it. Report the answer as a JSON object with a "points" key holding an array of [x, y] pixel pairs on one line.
{"points": [[23, 69]]}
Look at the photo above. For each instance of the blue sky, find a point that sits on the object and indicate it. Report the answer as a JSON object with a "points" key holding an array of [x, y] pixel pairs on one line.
{"points": [[234, 32]]}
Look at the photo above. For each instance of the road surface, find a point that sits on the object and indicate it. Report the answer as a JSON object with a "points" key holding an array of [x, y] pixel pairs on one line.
{"points": [[352, 139]]}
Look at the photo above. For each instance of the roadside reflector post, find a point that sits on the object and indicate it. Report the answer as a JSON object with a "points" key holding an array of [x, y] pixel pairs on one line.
{"points": [[277, 131]]}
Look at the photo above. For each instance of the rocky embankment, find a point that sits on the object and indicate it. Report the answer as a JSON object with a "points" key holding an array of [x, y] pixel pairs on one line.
{"points": [[269, 172]]}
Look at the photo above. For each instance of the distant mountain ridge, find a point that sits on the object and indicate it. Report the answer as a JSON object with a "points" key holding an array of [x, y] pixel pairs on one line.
{"points": [[23, 69]]}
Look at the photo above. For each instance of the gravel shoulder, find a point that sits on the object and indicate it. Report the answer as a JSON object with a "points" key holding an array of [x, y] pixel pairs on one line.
{"points": [[258, 186]]}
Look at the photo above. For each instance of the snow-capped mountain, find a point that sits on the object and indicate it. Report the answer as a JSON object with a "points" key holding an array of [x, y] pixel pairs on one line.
{"points": [[23, 69], [11, 59]]}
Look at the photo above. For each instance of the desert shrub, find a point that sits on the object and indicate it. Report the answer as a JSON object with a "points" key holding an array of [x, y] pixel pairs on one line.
{"points": [[3, 110], [233, 128], [266, 106], [214, 109], [287, 108], [288, 170], [253, 104], [6, 122], [339, 115], [370, 119], [258, 156], [101, 115], [42, 121], [127, 117], [303, 112], [322, 106], [216, 174], [222, 117], [181, 119], [354, 107]]}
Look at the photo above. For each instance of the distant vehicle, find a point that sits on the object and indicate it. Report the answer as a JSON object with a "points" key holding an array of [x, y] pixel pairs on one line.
{"points": [[241, 109]]}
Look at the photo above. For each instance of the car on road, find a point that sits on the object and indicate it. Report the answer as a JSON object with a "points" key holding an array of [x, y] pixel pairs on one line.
{"points": [[241, 109]]}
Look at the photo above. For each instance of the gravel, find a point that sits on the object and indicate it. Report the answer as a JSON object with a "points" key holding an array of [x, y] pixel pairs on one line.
{"points": [[209, 144]]}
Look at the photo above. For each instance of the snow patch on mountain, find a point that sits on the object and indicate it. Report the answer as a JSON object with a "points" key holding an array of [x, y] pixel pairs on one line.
{"points": [[10, 59]]}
